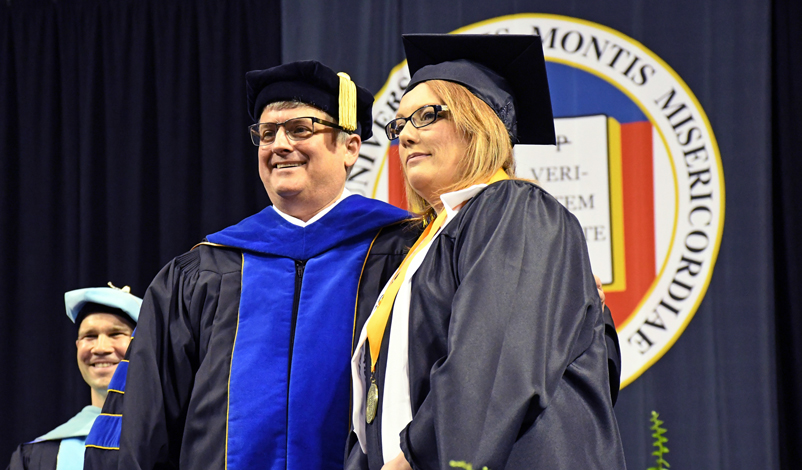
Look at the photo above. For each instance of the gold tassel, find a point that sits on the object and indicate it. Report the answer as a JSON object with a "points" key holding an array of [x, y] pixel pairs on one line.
{"points": [[125, 289], [347, 102]]}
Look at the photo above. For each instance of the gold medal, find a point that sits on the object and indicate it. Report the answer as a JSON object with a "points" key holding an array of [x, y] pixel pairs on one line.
{"points": [[373, 402]]}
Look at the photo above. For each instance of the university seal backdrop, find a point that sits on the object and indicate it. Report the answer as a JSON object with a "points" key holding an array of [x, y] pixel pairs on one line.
{"points": [[636, 161]]}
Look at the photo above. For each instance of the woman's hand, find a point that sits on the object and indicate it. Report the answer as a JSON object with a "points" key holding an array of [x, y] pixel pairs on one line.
{"points": [[398, 463], [599, 288]]}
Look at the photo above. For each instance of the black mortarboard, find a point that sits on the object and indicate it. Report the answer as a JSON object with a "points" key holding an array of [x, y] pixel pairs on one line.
{"points": [[506, 71], [315, 84]]}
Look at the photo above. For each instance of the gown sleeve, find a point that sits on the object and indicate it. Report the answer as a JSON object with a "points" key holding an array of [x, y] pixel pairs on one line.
{"points": [[35, 456], [163, 362], [613, 354], [163, 358], [512, 281], [16, 462]]}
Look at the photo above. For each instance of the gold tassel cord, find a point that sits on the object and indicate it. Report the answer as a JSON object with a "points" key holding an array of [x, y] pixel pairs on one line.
{"points": [[347, 102]]}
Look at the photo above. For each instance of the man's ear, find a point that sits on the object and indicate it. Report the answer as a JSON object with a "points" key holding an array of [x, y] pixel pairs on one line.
{"points": [[352, 145]]}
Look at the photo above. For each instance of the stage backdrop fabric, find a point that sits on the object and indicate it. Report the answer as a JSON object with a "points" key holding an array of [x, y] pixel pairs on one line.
{"points": [[123, 142]]}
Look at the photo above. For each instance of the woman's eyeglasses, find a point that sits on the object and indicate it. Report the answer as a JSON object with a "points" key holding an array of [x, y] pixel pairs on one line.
{"points": [[422, 117]]}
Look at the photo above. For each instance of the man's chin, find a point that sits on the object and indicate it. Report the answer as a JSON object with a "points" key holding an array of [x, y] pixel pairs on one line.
{"points": [[284, 189], [101, 378], [286, 196]]}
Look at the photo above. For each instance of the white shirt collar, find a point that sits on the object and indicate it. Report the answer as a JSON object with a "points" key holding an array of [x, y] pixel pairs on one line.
{"points": [[318, 216], [452, 201]]}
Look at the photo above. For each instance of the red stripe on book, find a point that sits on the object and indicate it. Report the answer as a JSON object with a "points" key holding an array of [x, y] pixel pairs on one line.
{"points": [[638, 195]]}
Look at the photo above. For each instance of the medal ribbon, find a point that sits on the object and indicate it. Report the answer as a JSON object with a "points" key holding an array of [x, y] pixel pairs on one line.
{"points": [[378, 321]]}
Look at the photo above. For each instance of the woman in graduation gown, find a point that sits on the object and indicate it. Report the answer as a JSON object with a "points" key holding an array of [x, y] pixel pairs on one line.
{"points": [[488, 346]]}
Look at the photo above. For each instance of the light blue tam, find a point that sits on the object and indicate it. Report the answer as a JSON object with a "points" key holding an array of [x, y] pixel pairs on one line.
{"points": [[111, 296]]}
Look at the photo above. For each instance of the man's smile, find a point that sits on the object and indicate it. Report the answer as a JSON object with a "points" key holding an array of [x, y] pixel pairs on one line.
{"points": [[103, 365], [283, 165]]}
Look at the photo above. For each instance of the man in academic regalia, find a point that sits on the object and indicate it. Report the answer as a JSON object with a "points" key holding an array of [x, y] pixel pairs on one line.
{"points": [[243, 345], [105, 317]]}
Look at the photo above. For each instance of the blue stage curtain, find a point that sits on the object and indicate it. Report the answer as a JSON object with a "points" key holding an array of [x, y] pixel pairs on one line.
{"points": [[787, 161], [123, 142]]}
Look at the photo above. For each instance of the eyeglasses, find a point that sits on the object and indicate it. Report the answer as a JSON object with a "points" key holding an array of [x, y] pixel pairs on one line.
{"points": [[300, 128], [422, 117]]}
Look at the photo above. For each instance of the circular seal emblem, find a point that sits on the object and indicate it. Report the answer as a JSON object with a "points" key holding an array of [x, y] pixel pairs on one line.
{"points": [[636, 162]]}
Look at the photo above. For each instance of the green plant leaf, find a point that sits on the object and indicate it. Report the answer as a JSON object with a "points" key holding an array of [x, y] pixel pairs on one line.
{"points": [[659, 441]]}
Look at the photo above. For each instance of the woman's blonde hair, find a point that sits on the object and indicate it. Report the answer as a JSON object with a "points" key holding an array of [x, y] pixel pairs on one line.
{"points": [[489, 146]]}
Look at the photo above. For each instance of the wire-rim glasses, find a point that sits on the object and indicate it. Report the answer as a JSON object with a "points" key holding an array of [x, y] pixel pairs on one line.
{"points": [[422, 117], [300, 128]]}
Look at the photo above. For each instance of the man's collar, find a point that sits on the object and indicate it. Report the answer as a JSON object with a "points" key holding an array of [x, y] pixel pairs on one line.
{"points": [[316, 217], [268, 233]]}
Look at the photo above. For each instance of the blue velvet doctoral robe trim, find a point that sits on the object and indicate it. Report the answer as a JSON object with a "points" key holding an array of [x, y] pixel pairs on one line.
{"points": [[117, 382], [289, 393], [105, 433]]}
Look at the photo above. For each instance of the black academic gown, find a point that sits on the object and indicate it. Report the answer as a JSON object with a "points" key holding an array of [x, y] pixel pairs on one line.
{"points": [[65, 443], [508, 345], [35, 456], [241, 354]]}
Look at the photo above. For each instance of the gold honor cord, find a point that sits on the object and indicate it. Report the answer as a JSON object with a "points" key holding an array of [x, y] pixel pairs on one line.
{"points": [[378, 321]]}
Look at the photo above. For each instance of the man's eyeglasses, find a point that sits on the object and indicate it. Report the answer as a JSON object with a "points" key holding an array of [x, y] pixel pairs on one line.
{"points": [[422, 117], [300, 128]]}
